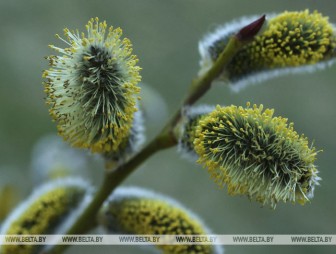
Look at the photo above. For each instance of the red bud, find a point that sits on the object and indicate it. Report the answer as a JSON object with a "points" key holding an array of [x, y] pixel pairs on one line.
{"points": [[249, 31]]}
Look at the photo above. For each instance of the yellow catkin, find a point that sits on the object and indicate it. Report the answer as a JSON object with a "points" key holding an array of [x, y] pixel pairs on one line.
{"points": [[153, 216], [290, 39], [92, 86], [42, 213], [256, 154]]}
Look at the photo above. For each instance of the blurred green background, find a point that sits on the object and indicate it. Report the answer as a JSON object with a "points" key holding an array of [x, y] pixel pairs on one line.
{"points": [[165, 35]]}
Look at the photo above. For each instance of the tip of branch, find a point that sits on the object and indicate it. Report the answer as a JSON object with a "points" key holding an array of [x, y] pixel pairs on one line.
{"points": [[249, 31]]}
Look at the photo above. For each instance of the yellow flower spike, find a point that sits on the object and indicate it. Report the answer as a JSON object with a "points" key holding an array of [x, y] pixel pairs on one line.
{"points": [[93, 84], [261, 157], [51, 209], [290, 42], [138, 211]]}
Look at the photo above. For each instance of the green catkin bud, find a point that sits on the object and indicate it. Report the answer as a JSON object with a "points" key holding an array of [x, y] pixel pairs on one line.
{"points": [[51, 209], [91, 88], [138, 211], [257, 154], [187, 128], [290, 42]]}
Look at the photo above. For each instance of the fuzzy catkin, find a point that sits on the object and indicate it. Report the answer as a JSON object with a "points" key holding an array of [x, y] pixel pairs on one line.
{"points": [[92, 87], [290, 42], [256, 154], [49, 210], [138, 211]]}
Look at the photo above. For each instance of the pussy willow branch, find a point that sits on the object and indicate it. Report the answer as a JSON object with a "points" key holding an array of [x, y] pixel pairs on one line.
{"points": [[165, 139]]}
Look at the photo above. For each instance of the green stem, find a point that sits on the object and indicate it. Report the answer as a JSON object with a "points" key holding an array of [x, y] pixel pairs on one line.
{"points": [[202, 84], [113, 179], [164, 140]]}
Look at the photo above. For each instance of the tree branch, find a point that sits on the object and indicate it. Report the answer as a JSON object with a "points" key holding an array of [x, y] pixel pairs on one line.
{"points": [[165, 139]]}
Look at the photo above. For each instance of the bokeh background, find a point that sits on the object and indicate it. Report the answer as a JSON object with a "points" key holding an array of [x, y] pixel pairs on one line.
{"points": [[165, 35]]}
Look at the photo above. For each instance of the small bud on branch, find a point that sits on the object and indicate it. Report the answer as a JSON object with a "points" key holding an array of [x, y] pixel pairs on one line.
{"points": [[251, 30]]}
